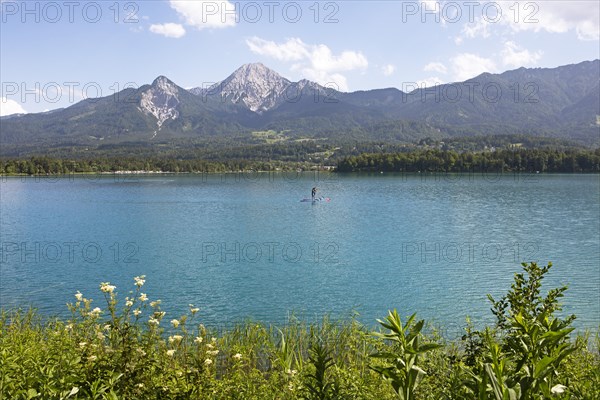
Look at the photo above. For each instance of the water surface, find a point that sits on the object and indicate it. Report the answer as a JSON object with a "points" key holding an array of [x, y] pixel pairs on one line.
{"points": [[243, 245]]}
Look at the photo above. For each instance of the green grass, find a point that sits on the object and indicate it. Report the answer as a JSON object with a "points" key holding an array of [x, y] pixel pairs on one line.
{"points": [[270, 136], [128, 349]]}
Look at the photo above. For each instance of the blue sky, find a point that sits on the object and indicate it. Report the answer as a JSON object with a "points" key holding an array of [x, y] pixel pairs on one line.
{"points": [[55, 53]]}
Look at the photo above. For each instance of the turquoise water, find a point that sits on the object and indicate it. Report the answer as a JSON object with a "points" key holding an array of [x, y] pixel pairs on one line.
{"points": [[243, 245]]}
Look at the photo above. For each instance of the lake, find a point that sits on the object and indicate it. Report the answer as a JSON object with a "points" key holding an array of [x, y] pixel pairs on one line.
{"points": [[243, 246]]}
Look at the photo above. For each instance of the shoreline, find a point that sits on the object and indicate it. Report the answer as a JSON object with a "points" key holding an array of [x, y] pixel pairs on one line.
{"points": [[331, 170]]}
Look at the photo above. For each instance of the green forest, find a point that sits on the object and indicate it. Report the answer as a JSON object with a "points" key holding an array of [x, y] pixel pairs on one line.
{"points": [[371, 158], [537, 160]]}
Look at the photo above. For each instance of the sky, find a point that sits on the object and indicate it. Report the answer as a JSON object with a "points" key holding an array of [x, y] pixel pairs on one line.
{"points": [[53, 54]]}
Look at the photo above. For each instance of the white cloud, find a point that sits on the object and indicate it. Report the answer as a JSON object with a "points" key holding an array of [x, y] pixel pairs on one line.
{"points": [[583, 17], [436, 67], [292, 50], [478, 28], [323, 59], [515, 56], [8, 107], [315, 61], [206, 14], [169, 30], [430, 82], [388, 69], [588, 30], [467, 65]]}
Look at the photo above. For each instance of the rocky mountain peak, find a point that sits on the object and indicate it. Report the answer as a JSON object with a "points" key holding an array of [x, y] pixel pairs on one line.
{"points": [[254, 85], [165, 84], [161, 100]]}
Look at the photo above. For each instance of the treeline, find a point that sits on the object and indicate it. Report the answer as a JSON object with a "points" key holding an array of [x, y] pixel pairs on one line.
{"points": [[534, 160], [373, 157], [54, 166]]}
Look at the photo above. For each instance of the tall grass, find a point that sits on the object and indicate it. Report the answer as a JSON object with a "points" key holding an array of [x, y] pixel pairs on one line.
{"points": [[128, 349]]}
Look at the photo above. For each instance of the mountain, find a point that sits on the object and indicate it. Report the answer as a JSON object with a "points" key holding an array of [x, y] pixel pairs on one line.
{"points": [[161, 109], [562, 102], [254, 85]]}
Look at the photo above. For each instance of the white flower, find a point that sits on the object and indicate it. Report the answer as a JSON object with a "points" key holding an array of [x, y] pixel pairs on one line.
{"points": [[82, 344], [140, 280], [198, 339], [69, 327], [170, 353], [106, 287], [153, 321], [213, 353], [137, 312], [209, 346], [100, 336], [106, 327], [143, 297], [140, 385], [175, 338], [95, 312], [79, 296], [154, 303], [129, 303], [193, 309], [175, 323], [213, 339], [558, 389], [237, 356], [208, 361], [92, 358]]}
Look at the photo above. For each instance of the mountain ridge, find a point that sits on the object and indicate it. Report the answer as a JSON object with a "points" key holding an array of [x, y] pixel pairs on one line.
{"points": [[562, 102]]}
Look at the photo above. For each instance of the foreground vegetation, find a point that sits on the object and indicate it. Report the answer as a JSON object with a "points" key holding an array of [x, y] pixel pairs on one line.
{"points": [[123, 351]]}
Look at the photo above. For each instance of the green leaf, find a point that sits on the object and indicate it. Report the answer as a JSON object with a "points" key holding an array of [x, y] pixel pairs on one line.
{"points": [[31, 393], [428, 347], [539, 370]]}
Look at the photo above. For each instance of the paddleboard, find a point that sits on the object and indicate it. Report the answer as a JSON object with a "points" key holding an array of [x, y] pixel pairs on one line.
{"points": [[316, 199]]}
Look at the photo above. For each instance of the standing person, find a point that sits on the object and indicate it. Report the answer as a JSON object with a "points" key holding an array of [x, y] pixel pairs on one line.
{"points": [[314, 193]]}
